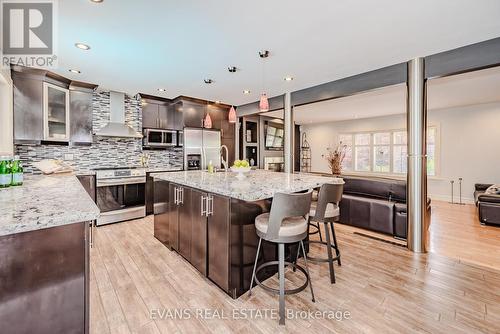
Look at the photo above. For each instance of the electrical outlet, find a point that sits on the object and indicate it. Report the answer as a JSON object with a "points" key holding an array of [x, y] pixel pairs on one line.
{"points": [[68, 156]]}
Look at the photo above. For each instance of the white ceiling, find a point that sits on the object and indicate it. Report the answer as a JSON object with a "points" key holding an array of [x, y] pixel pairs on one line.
{"points": [[139, 46], [454, 91]]}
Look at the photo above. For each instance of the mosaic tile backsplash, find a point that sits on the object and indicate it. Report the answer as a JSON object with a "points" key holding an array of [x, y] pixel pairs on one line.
{"points": [[104, 151]]}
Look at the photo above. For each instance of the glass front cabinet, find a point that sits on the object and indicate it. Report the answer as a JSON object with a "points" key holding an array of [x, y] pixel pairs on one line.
{"points": [[56, 125]]}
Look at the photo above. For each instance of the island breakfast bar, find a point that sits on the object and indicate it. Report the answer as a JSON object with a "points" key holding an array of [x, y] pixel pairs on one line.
{"points": [[209, 219]]}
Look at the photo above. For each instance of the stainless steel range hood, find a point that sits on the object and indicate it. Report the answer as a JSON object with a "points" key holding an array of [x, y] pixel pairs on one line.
{"points": [[116, 126]]}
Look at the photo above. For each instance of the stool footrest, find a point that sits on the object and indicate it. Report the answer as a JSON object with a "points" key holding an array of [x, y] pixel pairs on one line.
{"points": [[277, 291], [316, 259]]}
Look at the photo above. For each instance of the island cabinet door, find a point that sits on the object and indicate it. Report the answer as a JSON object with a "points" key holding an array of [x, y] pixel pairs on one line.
{"points": [[218, 240], [185, 222], [161, 208], [199, 231], [173, 217]]}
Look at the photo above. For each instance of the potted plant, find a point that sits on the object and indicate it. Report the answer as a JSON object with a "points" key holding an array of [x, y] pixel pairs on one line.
{"points": [[335, 157]]}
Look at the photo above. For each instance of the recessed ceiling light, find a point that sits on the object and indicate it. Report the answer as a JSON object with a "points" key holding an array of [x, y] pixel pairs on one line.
{"points": [[96, 1], [264, 53], [246, 91], [208, 81], [217, 102], [162, 90], [75, 71], [82, 46], [288, 78]]}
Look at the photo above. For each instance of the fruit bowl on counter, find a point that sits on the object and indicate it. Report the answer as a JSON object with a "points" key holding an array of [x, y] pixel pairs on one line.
{"points": [[241, 167]]}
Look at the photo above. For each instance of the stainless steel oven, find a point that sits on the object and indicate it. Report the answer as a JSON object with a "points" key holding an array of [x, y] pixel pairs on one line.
{"points": [[120, 194], [154, 138]]}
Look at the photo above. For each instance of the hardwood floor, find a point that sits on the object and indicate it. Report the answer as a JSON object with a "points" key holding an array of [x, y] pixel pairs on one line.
{"points": [[457, 233], [386, 289]]}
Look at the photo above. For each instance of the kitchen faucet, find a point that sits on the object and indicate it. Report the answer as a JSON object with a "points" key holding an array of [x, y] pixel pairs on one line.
{"points": [[225, 161]]}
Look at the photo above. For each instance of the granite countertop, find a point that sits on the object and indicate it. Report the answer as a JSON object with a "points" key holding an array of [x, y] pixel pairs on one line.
{"points": [[43, 202], [258, 184], [148, 170]]}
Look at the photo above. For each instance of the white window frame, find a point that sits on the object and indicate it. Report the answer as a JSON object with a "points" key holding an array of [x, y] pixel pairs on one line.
{"points": [[437, 151]]}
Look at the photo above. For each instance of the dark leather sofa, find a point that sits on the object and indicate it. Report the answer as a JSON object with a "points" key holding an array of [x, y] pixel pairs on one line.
{"points": [[488, 205], [376, 204]]}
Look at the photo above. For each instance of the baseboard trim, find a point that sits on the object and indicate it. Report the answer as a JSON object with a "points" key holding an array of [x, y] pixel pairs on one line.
{"points": [[379, 239], [446, 198]]}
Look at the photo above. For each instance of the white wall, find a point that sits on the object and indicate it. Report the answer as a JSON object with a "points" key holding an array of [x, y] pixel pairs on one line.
{"points": [[469, 145], [6, 115]]}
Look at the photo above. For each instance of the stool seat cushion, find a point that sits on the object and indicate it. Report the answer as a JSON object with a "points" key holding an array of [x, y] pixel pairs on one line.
{"points": [[290, 227], [331, 211]]}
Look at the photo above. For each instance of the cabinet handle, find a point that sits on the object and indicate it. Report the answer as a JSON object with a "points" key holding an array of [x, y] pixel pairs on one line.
{"points": [[210, 205], [203, 210], [181, 191], [176, 201]]}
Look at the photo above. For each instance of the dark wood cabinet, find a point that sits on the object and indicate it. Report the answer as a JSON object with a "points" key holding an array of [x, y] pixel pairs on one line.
{"points": [[218, 229], [68, 113], [160, 113], [197, 226], [176, 114], [193, 114], [199, 230], [45, 280], [185, 222], [164, 119], [173, 217], [160, 207]]}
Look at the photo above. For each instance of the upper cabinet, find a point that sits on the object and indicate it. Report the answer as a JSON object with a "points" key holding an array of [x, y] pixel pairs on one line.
{"points": [[150, 115], [55, 113], [192, 112], [48, 107], [159, 113], [80, 106], [28, 115]]}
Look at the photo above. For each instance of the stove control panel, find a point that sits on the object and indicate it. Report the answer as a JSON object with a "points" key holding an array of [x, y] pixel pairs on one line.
{"points": [[120, 173]]}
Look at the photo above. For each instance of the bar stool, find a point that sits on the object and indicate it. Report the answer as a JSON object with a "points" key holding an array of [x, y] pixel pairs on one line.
{"points": [[286, 223], [315, 225], [327, 211]]}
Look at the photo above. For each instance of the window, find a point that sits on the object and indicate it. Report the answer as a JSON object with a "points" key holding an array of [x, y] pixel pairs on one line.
{"points": [[362, 152], [347, 141], [384, 151], [399, 163]]}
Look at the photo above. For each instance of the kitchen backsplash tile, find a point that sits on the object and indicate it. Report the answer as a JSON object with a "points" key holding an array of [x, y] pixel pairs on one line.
{"points": [[104, 151]]}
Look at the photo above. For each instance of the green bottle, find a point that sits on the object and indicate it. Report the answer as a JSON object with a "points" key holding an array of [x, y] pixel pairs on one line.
{"points": [[17, 172], [5, 172]]}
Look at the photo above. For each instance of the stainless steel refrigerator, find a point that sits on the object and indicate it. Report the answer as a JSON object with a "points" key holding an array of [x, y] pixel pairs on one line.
{"points": [[203, 144]]}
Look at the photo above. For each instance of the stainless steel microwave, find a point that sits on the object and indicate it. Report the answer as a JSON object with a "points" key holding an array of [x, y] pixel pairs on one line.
{"points": [[154, 138]]}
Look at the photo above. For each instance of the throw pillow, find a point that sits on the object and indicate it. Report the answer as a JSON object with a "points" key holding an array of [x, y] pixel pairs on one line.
{"points": [[493, 190]]}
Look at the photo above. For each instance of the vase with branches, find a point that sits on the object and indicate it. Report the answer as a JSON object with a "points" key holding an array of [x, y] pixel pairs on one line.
{"points": [[335, 157]]}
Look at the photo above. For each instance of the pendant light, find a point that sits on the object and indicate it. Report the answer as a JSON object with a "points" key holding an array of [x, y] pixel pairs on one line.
{"points": [[264, 102], [232, 115], [207, 122]]}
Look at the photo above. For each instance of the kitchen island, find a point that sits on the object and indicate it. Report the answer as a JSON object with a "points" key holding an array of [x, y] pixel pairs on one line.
{"points": [[209, 219], [44, 255]]}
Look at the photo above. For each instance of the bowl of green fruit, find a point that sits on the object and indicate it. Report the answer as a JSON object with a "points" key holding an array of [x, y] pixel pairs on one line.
{"points": [[241, 167]]}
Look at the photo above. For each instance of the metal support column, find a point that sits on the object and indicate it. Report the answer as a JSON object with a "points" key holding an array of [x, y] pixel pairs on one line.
{"points": [[417, 161], [289, 133]]}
